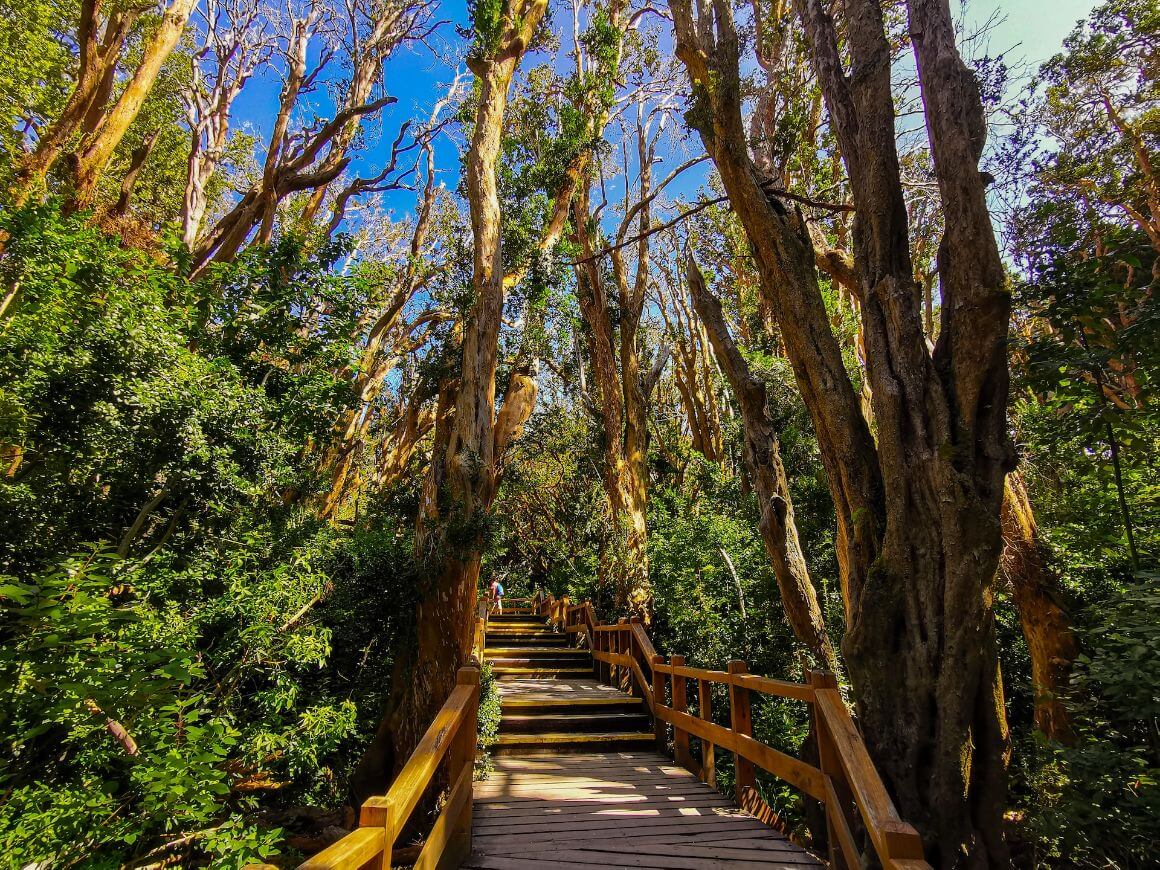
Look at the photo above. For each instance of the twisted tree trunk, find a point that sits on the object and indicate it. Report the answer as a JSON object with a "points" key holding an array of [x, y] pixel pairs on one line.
{"points": [[89, 162]]}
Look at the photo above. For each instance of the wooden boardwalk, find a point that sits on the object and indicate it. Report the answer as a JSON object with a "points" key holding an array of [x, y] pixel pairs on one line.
{"points": [[577, 783], [640, 810]]}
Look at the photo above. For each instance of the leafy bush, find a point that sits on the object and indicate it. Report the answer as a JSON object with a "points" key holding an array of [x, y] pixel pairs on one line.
{"points": [[215, 658]]}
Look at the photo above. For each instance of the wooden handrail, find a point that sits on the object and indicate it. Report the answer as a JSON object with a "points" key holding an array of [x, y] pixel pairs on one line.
{"points": [[846, 780], [453, 734]]}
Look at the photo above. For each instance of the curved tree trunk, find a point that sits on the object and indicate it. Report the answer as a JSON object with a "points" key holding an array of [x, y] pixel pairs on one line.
{"points": [[464, 472], [100, 40], [763, 456]]}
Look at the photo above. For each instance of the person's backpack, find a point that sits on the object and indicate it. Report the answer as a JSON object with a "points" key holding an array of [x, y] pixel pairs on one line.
{"points": [[499, 589]]}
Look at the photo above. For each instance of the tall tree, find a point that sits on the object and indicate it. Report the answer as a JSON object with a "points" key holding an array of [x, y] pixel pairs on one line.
{"points": [[917, 509], [101, 36], [235, 43], [622, 383], [464, 474]]}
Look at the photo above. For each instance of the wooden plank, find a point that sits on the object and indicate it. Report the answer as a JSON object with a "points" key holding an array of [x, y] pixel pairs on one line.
{"points": [[439, 850], [697, 853], [892, 837], [721, 677], [839, 829], [548, 812], [487, 814], [667, 857], [708, 751], [780, 688], [647, 650], [741, 725], [795, 772], [392, 810], [680, 705], [618, 659], [603, 827], [658, 698], [351, 852]]}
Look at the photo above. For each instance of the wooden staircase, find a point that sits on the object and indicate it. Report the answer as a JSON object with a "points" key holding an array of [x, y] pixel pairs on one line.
{"points": [[551, 704]]}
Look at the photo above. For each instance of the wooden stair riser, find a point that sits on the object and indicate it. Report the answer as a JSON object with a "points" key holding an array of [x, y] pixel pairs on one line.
{"points": [[557, 641], [538, 660]]}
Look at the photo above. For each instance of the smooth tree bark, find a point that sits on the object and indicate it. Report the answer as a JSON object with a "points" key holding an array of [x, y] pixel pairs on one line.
{"points": [[388, 338], [693, 373], [89, 161], [388, 24], [296, 161], [621, 381], [763, 456], [1042, 616], [101, 35], [917, 509]]}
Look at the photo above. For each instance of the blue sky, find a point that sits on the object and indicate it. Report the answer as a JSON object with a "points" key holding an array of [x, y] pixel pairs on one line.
{"points": [[1028, 30]]}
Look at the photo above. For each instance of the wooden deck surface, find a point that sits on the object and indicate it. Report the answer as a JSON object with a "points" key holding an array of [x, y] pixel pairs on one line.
{"points": [[616, 809]]}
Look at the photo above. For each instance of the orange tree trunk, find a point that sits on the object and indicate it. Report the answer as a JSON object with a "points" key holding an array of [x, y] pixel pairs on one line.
{"points": [[1037, 596]]}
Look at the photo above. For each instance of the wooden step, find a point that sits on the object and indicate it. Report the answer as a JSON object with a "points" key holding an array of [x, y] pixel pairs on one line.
{"points": [[550, 743], [533, 650], [563, 701], [511, 672], [540, 660], [571, 722], [507, 640]]}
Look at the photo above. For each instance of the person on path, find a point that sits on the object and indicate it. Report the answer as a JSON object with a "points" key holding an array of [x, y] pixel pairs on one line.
{"points": [[496, 592]]}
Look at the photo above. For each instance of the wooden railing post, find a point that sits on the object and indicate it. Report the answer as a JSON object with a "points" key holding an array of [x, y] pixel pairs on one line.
{"points": [[681, 705], [708, 750], [637, 653], [623, 647], [658, 691], [831, 766], [741, 720]]}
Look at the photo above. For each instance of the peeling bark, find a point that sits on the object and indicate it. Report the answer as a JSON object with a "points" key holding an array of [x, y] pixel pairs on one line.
{"points": [[917, 509], [91, 159]]}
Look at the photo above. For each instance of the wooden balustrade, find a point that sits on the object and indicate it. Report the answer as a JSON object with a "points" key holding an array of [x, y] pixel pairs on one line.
{"points": [[845, 780], [453, 734]]}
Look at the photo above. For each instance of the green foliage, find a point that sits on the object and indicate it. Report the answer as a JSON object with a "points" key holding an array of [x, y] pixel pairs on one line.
{"points": [[35, 77], [488, 721], [1099, 800], [233, 641]]}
